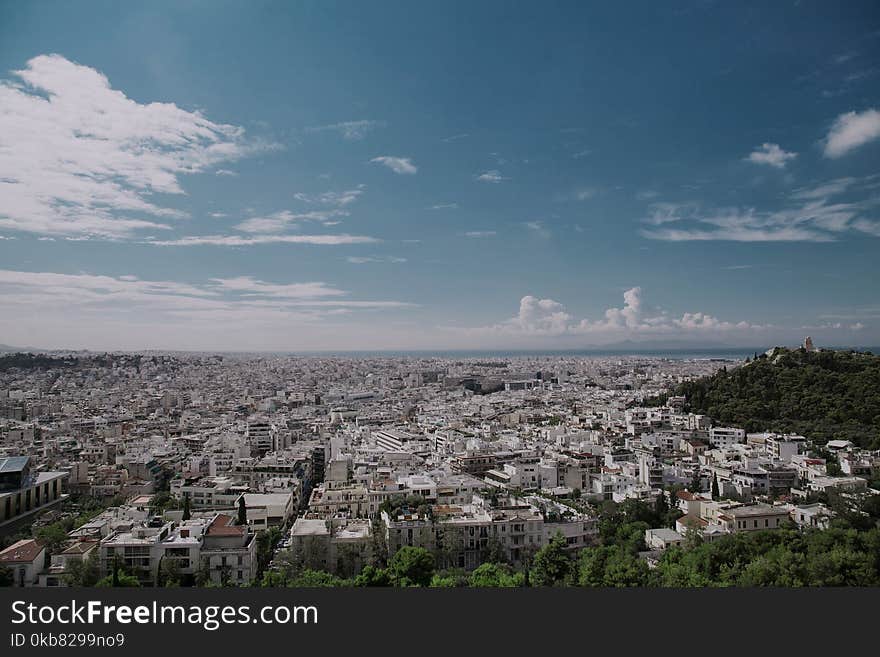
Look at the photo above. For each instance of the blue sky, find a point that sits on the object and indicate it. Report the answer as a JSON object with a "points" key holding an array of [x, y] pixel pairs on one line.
{"points": [[329, 175]]}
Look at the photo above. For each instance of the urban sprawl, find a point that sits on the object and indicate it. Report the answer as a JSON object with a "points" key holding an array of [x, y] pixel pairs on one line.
{"points": [[206, 469]]}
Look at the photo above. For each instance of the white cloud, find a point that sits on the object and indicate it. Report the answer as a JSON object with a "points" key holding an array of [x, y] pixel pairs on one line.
{"points": [[444, 206], [401, 165], [547, 317], [540, 316], [834, 326], [852, 130], [771, 154], [538, 228], [350, 130], [477, 234], [43, 292], [225, 172], [279, 221], [811, 215], [363, 260], [249, 285], [584, 193], [251, 240], [493, 176], [79, 158], [339, 199]]}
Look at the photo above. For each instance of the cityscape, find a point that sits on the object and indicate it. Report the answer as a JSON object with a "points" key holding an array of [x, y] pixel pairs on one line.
{"points": [[439, 295], [172, 469]]}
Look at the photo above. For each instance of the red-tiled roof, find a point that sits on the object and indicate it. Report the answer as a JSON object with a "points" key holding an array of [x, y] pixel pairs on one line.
{"points": [[24, 551], [224, 525]]}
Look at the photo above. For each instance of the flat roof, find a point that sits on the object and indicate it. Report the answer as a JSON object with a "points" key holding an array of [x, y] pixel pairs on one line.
{"points": [[13, 463]]}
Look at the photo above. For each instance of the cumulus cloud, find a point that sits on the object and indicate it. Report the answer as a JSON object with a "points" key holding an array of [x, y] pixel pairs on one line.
{"points": [[401, 165], [852, 130], [771, 154], [548, 317], [80, 158]]}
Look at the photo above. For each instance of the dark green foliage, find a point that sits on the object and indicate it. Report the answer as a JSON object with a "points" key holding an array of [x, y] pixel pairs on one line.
{"points": [[495, 575], [117, 579], [317, 579], [552, 565], [411, 566], [242, 511], [372, 576], [612, 566], [52, 537], [83, 572], [822, 395], [834, 557]]}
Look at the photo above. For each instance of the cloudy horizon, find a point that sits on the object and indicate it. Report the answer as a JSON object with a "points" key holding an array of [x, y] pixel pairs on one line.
{"points": [[293, 192]]}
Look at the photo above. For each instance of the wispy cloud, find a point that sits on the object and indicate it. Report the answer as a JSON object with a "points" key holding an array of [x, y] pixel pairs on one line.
{"points": [[252, 240], [89, 304], [455, 137], [538, 227], [479, 234], [281, 221], [350, 130], [365, 260], [493, 176], [401, 165], [852, 130], [79, 158], [771, 154], [343, 198], [444, 206], [225, 172], [810, 215]]}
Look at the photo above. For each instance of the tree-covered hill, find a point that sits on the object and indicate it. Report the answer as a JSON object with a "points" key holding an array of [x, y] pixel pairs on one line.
{"points": [[822, 395]]}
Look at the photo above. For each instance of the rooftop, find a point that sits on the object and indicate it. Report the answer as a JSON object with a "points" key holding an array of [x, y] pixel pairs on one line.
{"points": [[24, 551]]}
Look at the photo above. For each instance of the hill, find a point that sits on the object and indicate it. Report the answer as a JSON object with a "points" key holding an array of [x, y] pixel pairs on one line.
{"points": [[822, 395]]}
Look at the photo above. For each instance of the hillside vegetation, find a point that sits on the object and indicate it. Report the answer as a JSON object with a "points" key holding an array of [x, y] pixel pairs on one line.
{"points": [[822, 395]]}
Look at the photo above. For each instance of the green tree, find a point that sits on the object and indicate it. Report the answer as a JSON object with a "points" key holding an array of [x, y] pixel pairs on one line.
{"points": [[495, 575], [186, 510], [242, 511], [372, 576], [53, 537], [716, 493], [83, 572], [119, 579], [552, 565], [411, 566], [661, 506], [317, 579]]}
